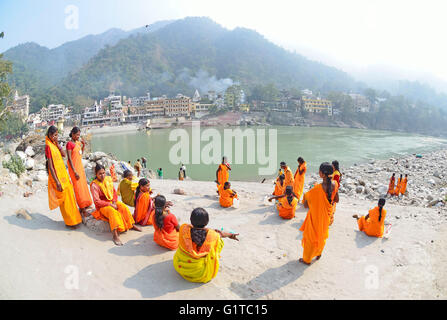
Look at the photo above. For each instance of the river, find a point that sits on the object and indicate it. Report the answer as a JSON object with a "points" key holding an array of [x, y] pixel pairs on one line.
{"points": [[314, 144]]}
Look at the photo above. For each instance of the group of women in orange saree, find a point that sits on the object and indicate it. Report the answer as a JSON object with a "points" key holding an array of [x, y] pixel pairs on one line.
{"points": [[400, 187], [197, 248]]}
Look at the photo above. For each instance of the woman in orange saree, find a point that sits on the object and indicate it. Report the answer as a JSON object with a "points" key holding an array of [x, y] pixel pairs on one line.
{"points": [[165, 224], [315, 227], [60, 190], [198, 253], [222, 173], [76, 170], [373, 224], [287, 203], [108, 208], [280, 187], [298, 183]]}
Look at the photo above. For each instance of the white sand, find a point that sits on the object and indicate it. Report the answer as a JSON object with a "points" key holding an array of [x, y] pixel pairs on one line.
{"points": [[37, 253]]}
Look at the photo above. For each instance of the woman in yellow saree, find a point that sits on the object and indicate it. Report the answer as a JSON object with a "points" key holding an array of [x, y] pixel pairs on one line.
{"points": [[60, 189], [198, 253]]}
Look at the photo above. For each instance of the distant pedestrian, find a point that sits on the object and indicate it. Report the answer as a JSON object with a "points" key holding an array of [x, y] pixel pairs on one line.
{"points": [[138, 167], [160, 173], [184, 170], [181, 175], [144, 161]]}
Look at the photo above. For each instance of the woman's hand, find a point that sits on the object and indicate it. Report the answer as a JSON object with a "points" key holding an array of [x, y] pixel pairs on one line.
{"points": [[233, 236], [169, 204], [114, 206]]}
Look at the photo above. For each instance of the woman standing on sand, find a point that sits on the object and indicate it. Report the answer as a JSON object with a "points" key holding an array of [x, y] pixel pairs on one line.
{"points": [[298, 179], [198, 253], [60, 190], [165, 224], [336, 176], [76, 170], [222, 173], [108, 208], [315, 227], [373, 224]]}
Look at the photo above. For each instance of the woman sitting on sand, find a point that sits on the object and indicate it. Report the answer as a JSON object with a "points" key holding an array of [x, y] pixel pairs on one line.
{"points": [[60, 189], [279, 186], [108, 208], [287, 203], [198, 253], [373, 223], [165, 224], [144, 204], [75, 148], [315, 227], [226, 195]]}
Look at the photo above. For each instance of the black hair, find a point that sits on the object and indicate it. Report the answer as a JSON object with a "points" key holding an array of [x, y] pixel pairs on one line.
{"points": [[226, 184], [282, 177], [327, 169], [74, 131], [300, 160], [160, 202], [289, 193], [126, 173], [99, 167], [199, 219], [141, 183], [282, 163], [381, 204], [51, 130]]}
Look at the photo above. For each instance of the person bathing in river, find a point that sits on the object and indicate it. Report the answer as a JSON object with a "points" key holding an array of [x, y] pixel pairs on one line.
{"points": [[75, 149], [108, 208]]}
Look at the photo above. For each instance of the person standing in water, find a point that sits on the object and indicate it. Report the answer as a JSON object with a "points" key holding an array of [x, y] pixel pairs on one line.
{"points": [[75, 149], [60, 190]]}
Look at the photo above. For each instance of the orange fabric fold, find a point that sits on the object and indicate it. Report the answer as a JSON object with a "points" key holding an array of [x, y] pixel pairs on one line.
{"points": [[298, 184], [80, 186]]}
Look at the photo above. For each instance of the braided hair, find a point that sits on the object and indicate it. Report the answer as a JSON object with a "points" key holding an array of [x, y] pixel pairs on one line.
{"points": [[327, 170], [141, 183], [381, 204], [199, 219], [289, 194], [160, 202]]}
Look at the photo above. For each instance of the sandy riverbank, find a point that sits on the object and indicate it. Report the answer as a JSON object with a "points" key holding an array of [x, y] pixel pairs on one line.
{"points": [[40, 255]]}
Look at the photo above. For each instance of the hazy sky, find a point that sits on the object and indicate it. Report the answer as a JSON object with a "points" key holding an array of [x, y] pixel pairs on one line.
{"points": [[350, 34]]}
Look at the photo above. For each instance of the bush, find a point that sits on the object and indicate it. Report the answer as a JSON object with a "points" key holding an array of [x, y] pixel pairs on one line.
{"points": [[15, 165]]}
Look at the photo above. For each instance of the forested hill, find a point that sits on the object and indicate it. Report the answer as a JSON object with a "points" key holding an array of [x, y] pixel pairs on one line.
{"points": [[166, 60]]}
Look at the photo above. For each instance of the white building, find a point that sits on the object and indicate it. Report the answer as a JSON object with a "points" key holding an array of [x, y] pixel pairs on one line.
{"points": [[306, 92], [21, 105], [139, 101], [196, 97], [361, 103], [53, 112]]}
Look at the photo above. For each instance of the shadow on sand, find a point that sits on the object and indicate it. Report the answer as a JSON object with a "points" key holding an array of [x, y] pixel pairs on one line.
{"points": [[143, 246], [38, 222], [362, 240], [151, 285], [269, 281]]}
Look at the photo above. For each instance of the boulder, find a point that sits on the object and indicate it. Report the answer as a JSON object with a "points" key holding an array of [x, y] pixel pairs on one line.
{"points": [[96, 225], [29, 151], [13, 177], [7, 157], [21, 155], [23, 214], [179, 191], [95, 156], [359, 189], [29, 164]]}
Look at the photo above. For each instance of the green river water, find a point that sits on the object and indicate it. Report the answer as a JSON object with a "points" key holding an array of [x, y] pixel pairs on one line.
{"points": [[314, 144]]}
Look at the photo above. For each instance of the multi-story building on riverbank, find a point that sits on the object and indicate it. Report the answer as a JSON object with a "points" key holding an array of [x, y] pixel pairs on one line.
{"points": [[361, 103], [316, 105], [177, 107], [53, 112], [20, 105]]}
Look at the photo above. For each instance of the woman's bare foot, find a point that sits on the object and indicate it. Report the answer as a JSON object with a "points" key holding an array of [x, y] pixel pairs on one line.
{"points": [[136, 228], [356, 216], [302, 261], [116, 238], [318, 257]]}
